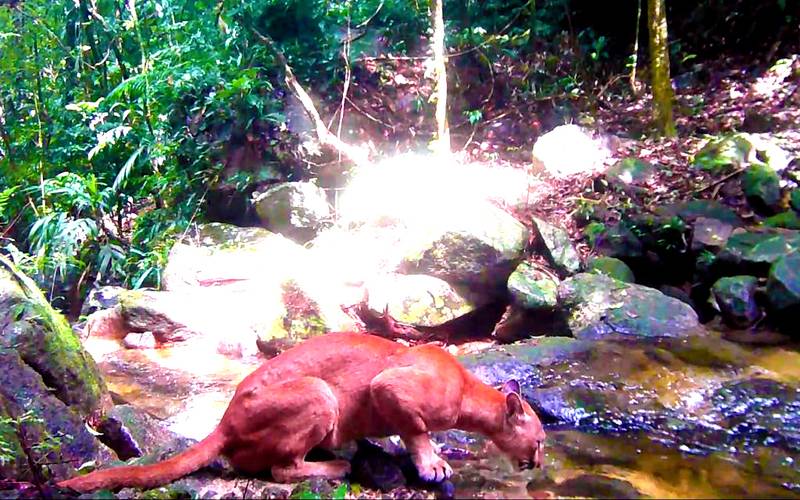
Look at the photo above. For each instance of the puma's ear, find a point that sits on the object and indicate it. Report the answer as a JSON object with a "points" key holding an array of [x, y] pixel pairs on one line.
{"points": [[514, 405], [510, 386]]}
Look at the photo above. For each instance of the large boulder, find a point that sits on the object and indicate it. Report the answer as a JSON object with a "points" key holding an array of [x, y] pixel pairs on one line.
{"points": [[49, 385], [231, 320], [475, 251], [598, 306], [416, 299], [297, 210], [217, 254], [567, 150]]}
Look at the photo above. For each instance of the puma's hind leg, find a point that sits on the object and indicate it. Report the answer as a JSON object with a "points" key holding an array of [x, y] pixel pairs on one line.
{"points": [[333, 469], [395, 395], [277, 425]]}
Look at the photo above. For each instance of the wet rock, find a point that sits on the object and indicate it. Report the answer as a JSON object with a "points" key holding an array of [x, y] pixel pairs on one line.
{"points": [[596, 486], [598, 306], [297, 210], [710, 234], [783, 285], [476, 253], [762, 187], [531, 287], [760, 412], [754, 251], [374, 468], [555, 244], [611, 267], [735, 297]]}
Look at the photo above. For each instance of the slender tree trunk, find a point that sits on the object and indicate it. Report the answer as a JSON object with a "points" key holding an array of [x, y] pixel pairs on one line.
{"points": [[442, 139], [659, 67], [635, 88]]}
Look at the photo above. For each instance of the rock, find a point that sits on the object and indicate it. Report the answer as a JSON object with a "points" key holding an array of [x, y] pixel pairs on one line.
{"points": [[618, 241], [611, 267], [736, 151], [691, 210], [417, 299], [101, 297], [598, 306], [568, 150], [630, 171], [754, 251], [557, 247], [760, 412], [107, 324], [794, 199], [54, 431], [788, 219], [762, 187], [532, 288], [217, 254], [735, 299], [710, 234], [297, 210], [374, 468], [476, 253], [46, 343], [224, 320], [596, 486], [783, 285]]}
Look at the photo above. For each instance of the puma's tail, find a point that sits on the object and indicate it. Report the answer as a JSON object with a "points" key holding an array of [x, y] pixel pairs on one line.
{"points": [[150, 476]]}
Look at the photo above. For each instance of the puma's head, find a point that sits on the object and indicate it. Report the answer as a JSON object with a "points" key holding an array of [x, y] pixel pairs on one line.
{"points": [[522, 435]]}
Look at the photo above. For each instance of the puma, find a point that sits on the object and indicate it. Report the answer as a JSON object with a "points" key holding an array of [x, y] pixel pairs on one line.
{"points": [[336, 388]]}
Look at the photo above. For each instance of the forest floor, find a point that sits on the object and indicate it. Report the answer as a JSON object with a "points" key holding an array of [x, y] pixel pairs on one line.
{"points": [[386, 96]]}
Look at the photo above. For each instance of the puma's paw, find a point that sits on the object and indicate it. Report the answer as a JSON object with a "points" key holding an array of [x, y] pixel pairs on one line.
{"points": [[433, 468]]}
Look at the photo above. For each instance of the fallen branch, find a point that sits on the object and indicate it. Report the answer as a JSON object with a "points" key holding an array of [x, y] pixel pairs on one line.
{"points": [[353, 153], [721, 180]]}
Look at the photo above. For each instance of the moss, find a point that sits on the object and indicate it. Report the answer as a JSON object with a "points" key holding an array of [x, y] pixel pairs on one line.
{"points": [[47, 343]]}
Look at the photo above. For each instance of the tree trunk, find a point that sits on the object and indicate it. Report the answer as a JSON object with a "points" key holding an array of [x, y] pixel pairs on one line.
{"points": [[441, 142], [659, 67]]}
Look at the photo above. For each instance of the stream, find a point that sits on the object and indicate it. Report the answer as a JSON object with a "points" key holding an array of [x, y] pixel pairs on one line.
{"points": [[699, 417]]}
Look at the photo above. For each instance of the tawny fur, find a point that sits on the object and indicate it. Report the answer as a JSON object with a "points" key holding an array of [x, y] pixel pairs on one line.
{"points": [[336, 388]]}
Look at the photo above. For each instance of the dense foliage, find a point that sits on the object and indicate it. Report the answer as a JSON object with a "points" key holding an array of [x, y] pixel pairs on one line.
{"points": [[116, 116]]}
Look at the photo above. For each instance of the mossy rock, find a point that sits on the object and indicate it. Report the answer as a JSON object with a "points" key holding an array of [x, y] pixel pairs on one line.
{"points": [[788, 220], [532, 288], [598, 306], [762, 187], [611, 267], [630, 171], [735, 297], [726, 154], [783, 284], [46, 342]]}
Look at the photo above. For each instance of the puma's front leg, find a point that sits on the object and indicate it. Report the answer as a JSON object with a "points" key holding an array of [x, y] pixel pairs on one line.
{"points": [[430, 466], [395, 394]]}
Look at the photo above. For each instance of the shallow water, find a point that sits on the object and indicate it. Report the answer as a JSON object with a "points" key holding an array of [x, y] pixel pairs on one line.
{"points": [[716, 436]]}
